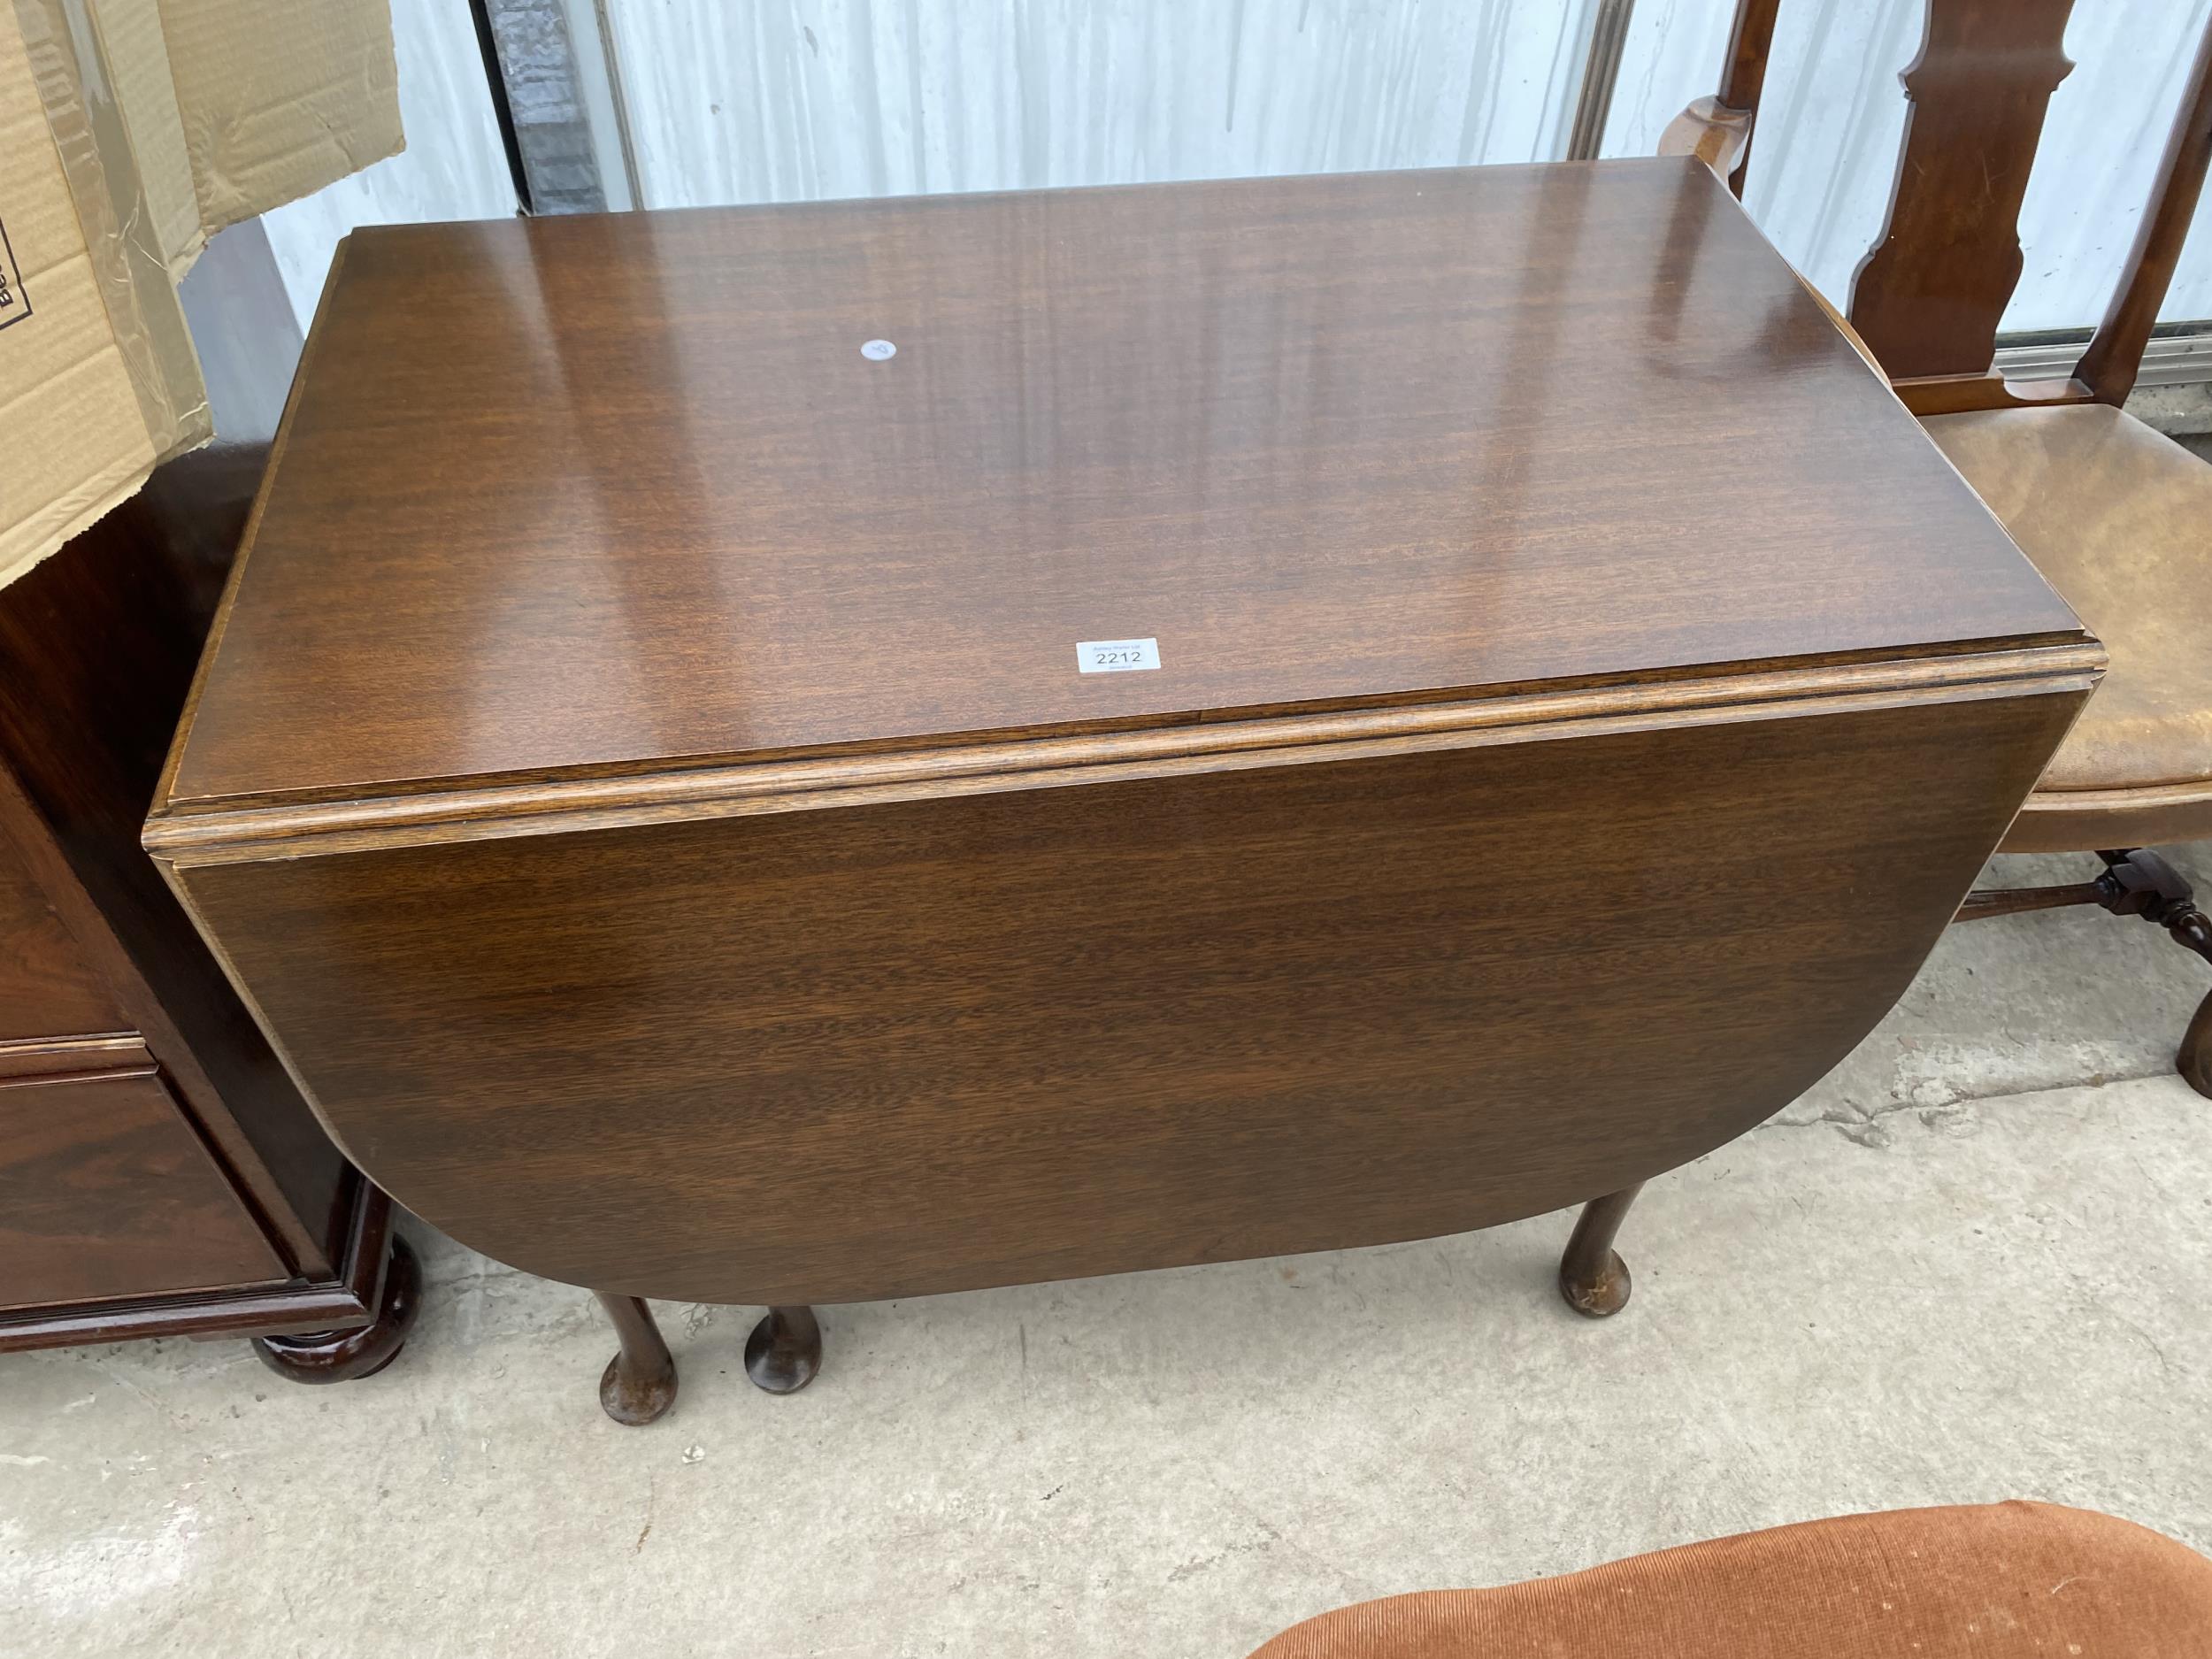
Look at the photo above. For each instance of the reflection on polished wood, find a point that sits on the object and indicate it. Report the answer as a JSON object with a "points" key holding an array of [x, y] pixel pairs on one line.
{"points": [[645, 785], [618, 492]]}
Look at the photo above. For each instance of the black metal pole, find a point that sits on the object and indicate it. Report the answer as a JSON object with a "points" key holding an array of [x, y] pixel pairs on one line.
{"points": [[496, 79]]}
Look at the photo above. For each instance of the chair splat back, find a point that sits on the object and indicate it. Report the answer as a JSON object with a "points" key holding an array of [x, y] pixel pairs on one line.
{"points": [[1928, 298]]}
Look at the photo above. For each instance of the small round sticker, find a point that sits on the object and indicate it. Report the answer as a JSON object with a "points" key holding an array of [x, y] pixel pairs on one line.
{"points": [[876, 351]]}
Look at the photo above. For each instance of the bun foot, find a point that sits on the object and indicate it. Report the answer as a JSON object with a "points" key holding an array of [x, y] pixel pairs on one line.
{"points": [[639, 1384], [1592, 1276], [1600, 1296], [785, 1350], [327, 1357]]}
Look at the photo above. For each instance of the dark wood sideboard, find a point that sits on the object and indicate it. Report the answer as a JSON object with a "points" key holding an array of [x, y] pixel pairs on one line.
{"points": [[159, 1173]]}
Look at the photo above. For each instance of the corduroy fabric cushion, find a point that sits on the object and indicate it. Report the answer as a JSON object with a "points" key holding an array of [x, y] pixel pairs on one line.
{"points": [[1993, 1581]]}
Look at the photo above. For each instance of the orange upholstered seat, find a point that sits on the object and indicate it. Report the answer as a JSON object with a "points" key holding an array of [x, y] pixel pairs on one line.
{"points": [[1993, 1581]]}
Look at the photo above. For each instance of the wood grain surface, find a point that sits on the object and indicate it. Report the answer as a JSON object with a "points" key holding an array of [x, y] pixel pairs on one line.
{"points": [[970, 1040], [1928, 297], [593, 494], [48, 986], [97, 650], [159, 1175], [105, 1191]]}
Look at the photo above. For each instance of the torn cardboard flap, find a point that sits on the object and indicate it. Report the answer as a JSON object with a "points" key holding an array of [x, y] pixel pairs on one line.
{"points": [[78, 432], [91, 135], [321, 101], [131, 130], [145, 97]]}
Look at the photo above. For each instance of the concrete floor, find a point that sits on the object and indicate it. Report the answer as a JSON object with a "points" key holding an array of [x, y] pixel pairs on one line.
{"points": [[1975, 1262]]}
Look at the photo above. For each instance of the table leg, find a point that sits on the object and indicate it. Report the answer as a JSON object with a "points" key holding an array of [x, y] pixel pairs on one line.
{"points": [[2195, 1059], [640, 1381], [784, 1350], [1592, 1276]]}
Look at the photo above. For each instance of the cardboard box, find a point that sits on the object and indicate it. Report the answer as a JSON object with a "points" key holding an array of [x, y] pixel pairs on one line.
{"points": [[131, 130]]}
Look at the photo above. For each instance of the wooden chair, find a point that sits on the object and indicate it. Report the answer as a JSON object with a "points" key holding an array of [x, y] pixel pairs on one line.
{"points": [[2116, 516]]}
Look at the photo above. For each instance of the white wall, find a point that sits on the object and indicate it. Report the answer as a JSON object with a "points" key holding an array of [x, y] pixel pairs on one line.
{"points": [[2107, 127], [789, 100], [786, 100], [1834, 115]]}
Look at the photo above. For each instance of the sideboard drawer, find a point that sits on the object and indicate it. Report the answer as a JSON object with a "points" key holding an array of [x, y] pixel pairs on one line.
{"points": [[48, 988], [105, 1190]]}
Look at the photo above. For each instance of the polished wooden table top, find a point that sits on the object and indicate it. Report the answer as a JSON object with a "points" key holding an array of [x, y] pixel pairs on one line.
{"points": [[591, 496]]}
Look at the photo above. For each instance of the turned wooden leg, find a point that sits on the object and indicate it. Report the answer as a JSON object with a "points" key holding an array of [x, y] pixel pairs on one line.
{"points": [[2193, 931], [2147, 886], [1592, 1276], [324, 1356], [640, 1381], [2194, 1062], [784, 1350]]}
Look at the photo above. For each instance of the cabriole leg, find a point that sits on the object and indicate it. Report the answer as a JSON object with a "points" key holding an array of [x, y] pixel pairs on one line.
{"points": [[1592, 1276], [2154, 889], [2195, 1059], [784, 1350], [2194, 1063], [640, 1381]]}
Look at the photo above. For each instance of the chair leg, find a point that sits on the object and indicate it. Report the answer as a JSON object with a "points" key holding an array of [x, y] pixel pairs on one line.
{"points": [[639, 1384], [2134, 883], [2157, 892], [1592, 1276], [2194, 1063], [2193, 931]]}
